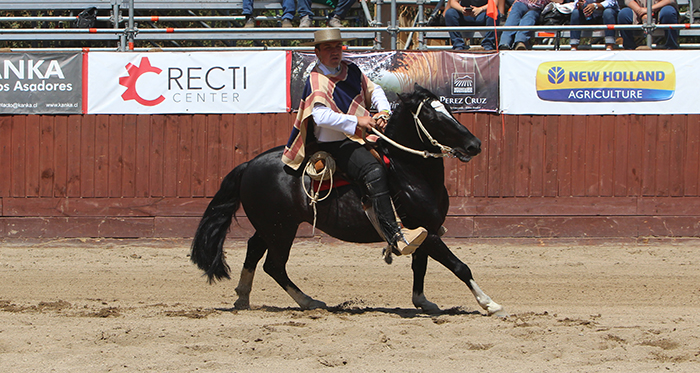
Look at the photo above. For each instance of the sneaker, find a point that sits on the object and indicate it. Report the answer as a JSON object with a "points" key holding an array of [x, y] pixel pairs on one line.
{"points": [[286, 23], [410, 240], [643, 48], [504, 47], [305, 21], [520, 46], [249, 22], [335, 22]]}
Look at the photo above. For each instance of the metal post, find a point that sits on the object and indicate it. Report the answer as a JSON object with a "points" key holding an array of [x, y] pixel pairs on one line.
{"points": [[421, 23], [130, 31], [648, 26], [393, 30], [378, 23]]}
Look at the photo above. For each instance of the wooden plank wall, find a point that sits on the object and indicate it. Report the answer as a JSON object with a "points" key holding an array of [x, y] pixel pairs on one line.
{"points": [[537, 176]]}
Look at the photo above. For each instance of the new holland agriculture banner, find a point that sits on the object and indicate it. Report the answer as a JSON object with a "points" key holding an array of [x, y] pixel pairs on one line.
{"points": [[187, 83], [465, 82], [41, 83], [625, 82]]}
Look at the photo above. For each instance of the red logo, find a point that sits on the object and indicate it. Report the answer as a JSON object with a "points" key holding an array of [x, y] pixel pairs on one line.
{"points": [[129, 82]]}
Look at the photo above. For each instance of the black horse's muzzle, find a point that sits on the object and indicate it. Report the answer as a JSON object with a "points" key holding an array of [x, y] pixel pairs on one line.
{"points": [[470, 150]]}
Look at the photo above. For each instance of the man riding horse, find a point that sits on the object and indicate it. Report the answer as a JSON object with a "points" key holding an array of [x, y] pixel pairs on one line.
{"points": [[335, 105]]}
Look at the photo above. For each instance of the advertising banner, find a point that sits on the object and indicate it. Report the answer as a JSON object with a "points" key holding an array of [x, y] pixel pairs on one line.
{"points": [[464, 82], [624, 82], [187, 83], [41, 83]]}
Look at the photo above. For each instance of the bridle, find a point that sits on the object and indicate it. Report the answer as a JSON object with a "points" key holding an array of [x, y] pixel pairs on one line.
{"points": [[445, 151]]}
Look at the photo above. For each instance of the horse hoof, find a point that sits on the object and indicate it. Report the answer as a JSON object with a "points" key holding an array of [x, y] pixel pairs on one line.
{"points": [[241, 305], [419, 301], [315, 304], [498, 311]]}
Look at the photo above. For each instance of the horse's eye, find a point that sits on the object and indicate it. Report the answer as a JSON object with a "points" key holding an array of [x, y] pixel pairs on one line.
{"points": [[439, 107]]}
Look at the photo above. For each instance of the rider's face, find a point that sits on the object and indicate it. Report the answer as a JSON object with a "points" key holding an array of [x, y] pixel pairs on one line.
{"points": [[330, 54]]}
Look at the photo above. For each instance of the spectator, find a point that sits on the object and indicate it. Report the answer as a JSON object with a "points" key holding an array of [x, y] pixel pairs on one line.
{"points": [[663, 12], [594, 12], [469, 13], [522, 13], [287, 13], [339, 13]]}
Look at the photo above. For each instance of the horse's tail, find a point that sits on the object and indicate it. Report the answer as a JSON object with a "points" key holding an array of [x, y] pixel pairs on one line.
{"points": [[208, 243]]}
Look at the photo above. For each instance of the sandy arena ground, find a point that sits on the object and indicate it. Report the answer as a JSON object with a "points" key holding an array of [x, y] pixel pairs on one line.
{"points": [[140, 305]]}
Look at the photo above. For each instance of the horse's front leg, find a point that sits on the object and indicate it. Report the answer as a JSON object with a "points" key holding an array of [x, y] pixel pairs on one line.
{"points": [[420, 266], [437, 250]]}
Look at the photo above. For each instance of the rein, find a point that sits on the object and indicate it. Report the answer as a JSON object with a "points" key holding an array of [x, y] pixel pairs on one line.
{"points": [[445, 151]]}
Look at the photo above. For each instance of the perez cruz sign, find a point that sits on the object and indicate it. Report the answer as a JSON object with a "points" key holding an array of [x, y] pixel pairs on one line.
{"points": [[187, 83], [46, 83]]}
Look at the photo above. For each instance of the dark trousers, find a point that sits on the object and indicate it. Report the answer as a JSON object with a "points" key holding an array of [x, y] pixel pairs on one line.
{"points": [[361, 166]]}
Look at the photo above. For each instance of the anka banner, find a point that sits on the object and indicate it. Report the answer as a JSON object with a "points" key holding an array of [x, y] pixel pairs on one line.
{"points": [[41, 83], [624, 82], [187, 83], [463, 81]]}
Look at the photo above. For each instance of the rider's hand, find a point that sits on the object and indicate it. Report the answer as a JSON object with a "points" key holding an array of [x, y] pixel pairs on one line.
{"points": [[366, 123], [381, 119]]}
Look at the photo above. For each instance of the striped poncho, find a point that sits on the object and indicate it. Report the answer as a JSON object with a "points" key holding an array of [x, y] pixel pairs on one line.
{"points": [[349, 91]]}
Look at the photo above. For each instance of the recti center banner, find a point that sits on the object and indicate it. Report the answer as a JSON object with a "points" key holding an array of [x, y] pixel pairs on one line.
{"points": [[463, 81], [187, 83]]}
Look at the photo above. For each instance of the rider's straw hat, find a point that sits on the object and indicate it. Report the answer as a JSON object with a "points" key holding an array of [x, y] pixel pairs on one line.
{"points": [[326, 35]]}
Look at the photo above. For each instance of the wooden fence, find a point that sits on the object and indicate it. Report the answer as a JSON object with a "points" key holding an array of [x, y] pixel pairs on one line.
{"points": [[538, 176]]}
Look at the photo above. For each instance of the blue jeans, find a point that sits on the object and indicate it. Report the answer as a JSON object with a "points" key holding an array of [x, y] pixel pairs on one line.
{"points": [[304, 8], [287, 8], [609, 17], [667, 15], [519, 15], [455, 18], [342, 8]]}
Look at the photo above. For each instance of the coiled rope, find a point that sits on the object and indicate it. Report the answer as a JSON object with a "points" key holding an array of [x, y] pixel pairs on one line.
{"points": [[320, 167]]}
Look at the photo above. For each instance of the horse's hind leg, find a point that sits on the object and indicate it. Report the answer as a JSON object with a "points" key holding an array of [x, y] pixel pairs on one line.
{"points": [[256, 250], [276, 262], [440, 252]]}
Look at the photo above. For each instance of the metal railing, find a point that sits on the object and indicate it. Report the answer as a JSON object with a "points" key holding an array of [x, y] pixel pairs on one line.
{"points": [[126, 32]]}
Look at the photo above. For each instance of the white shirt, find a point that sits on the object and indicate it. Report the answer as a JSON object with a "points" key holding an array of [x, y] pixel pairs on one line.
{"points": [[334, 126]]}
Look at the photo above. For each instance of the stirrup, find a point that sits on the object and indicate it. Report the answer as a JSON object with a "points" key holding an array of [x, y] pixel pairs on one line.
{"points": [[408, 240]]}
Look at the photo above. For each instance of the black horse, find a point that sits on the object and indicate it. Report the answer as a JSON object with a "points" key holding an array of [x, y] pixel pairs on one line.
{"points": [[275, 202]]}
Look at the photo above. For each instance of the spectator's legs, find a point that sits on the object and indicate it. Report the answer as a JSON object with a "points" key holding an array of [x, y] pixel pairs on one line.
{"points": [[517, 10], [529, 19], [247, 8], [609, 18], [575, 19], [287, 9], [489, 40], [625, 17], [454, 18], [304, 8], [669, 15], [342, 8]]}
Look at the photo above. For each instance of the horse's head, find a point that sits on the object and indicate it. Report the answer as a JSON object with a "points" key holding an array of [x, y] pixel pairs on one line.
{"points": [[421, 120]]}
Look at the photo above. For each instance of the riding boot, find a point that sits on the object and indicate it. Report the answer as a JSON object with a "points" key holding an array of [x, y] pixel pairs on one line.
{"points": [[404, 240]]}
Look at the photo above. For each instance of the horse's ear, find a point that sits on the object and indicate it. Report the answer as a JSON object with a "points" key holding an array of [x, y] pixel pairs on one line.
{"points": [[417, 87], [404, 97]]}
